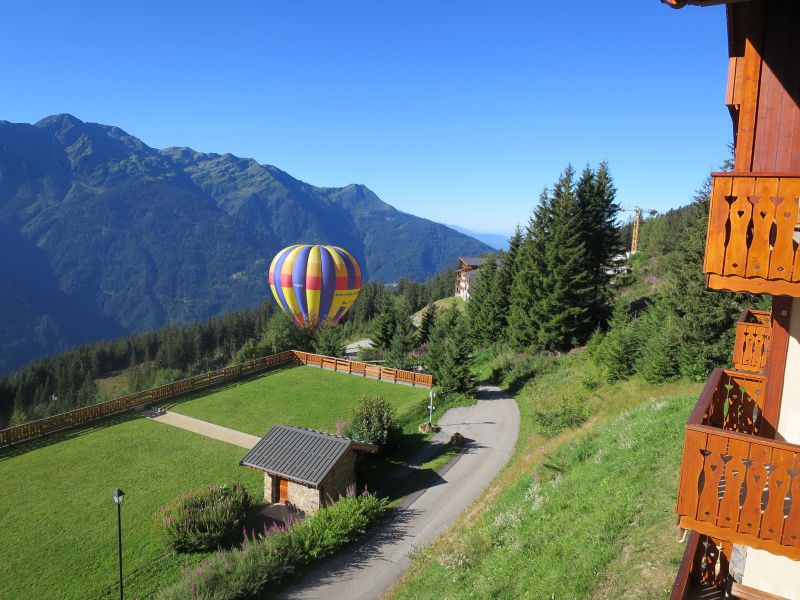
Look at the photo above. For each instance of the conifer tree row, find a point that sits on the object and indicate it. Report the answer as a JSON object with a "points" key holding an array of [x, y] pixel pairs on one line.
{"points": [[560, 290]]}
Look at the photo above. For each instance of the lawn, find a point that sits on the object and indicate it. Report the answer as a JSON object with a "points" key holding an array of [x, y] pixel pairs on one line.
{"points": [[300, 396], [58, 521], [588, 513]]}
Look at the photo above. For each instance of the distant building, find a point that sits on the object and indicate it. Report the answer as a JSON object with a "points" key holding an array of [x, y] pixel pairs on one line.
{"points": [[468, 267], [303, 468]]}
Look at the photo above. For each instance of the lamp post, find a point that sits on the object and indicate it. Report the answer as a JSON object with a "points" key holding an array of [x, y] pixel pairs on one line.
{"points": [[431, 407], [117, 496]]}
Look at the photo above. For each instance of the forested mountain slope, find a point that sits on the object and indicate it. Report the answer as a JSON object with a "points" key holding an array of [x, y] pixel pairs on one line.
{"points": [[102, 235]]}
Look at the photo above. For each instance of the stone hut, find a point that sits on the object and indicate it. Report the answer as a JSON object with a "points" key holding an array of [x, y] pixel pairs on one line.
{"points": [[303, 468]]}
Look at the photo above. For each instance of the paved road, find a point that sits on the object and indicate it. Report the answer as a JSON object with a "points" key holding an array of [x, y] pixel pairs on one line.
{"points": [[217, 432], [491, 426]]}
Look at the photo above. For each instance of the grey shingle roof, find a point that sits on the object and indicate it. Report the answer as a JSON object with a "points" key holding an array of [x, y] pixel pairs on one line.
{"points": [[302, 455]]}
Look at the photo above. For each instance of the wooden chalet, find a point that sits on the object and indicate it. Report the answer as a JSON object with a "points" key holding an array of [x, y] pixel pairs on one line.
{"points": [[468, 267], [739, 489]]}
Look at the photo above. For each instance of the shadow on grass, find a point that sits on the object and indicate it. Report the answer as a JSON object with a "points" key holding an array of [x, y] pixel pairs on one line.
{"points": [[64, 435], [221, 387]]}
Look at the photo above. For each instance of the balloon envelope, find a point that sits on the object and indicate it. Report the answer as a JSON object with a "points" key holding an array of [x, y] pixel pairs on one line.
{"points": [[314, 284]]}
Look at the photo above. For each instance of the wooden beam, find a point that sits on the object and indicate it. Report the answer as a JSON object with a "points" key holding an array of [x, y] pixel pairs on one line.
{"points": [[751, 82], [754, 285], [745, 592], [776, 364], [683, 579], [736, 537]]}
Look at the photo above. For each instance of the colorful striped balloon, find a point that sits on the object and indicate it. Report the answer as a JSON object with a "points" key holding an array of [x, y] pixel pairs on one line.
{"points": [[314, 284]]}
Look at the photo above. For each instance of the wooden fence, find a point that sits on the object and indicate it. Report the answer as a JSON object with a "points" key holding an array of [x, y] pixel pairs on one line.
{"points": [[95, 412], [364, 369], [80, 416]]}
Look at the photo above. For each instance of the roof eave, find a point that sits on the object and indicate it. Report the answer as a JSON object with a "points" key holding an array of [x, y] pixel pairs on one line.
{"points": [[682, 3]]}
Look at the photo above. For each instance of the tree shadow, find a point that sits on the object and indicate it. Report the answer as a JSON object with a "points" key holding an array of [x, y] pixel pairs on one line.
{"points": [[65, 435]]}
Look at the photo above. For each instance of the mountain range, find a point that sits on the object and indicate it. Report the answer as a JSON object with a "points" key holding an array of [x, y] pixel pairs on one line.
{"points": [[102, 235]]}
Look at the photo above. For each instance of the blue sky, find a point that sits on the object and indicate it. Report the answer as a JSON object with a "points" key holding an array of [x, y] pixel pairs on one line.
{"points": [[460, 112]]}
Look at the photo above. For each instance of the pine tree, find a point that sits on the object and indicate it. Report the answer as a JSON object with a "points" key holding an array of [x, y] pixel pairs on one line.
{"points": [[596, 197], [619, 350], [660, 344], [454, 373], [505, 276], [704, 318], [426, 325], [445, 324], [560, 310], [527, 278], [385, 325], [402, 343], [482, 313], [329, 340]]}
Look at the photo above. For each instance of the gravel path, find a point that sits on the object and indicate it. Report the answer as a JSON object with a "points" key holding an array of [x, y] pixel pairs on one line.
{"points": [[491, 427], [217, 432]]}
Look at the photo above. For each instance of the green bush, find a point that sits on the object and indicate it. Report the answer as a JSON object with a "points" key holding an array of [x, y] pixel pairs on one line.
{"points": [[569, 412], [617, 352], [204, 519], [273, 555], [512, 369], [374, 421], [370, 354]]}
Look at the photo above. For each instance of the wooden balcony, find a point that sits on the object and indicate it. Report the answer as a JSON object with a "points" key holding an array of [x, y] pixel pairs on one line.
{"points": [[753, 336], [752, 240], [734, 484]]}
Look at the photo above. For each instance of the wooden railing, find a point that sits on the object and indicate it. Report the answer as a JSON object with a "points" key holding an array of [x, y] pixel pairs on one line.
{"points": [[95, 412], [81, 416], [705, 564], [734, 484], [365, 369], [751, 244], [753, 336]]}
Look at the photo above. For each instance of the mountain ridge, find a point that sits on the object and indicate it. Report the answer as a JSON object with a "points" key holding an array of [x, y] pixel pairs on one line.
{"points": [[140, 237]]}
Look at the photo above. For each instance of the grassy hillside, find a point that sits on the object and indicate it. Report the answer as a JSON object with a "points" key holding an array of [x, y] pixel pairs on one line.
{"points": [[578, 513], [441, 305], [301, 396]]}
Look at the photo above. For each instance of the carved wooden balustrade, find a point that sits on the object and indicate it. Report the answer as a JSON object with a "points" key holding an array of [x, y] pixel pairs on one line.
{"points": [[734, 484], [751, 243], [753, 336]]}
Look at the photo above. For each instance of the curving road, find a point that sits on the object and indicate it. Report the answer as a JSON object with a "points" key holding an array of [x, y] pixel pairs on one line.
{"points": [[491, 427]]}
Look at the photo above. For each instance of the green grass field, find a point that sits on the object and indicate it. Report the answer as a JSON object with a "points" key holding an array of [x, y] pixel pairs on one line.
{"points": [[57, 518], [59, 523], [300, 396]]}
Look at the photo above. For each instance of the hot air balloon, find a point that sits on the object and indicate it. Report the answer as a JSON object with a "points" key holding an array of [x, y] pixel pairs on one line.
{"points": [[314, 284]]}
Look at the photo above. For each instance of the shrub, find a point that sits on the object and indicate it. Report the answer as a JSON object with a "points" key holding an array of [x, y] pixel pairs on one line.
{"points": [[618, 350], [329, 340], [569, 412], [370, 354], [513, 369], [374, 421], [271, 556], [203, 519]]}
